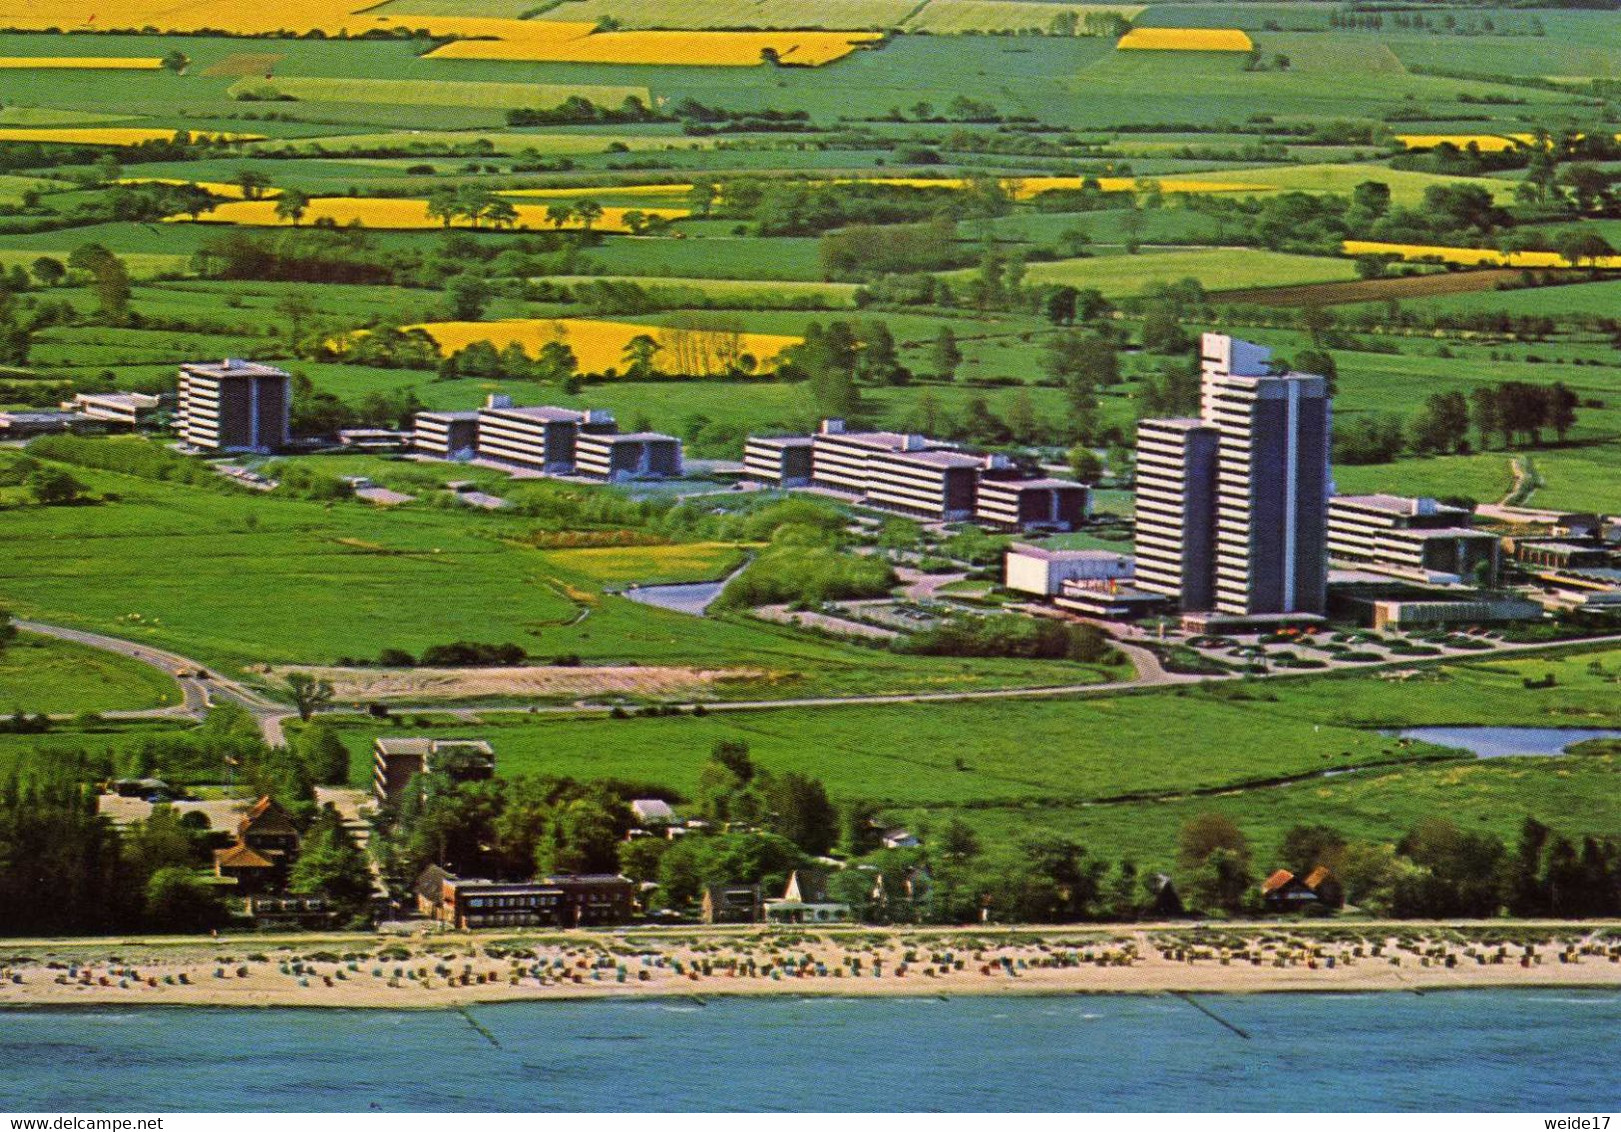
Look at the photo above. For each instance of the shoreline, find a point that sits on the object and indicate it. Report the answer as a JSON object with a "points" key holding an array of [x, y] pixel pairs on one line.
{"points": [[455, 972]]}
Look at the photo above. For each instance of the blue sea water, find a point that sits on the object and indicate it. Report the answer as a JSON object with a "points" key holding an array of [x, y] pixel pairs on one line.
{"points": [[1486, 1050]]}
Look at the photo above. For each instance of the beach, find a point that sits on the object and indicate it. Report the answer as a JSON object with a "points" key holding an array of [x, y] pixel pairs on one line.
{"points": [[454, 970]]}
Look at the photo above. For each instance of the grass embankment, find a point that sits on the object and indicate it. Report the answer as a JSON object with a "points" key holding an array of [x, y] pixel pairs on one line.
{"points": [[40, 674]]}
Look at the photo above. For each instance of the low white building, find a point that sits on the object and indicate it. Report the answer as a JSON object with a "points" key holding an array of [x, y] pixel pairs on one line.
{"points": [[1036, 570]]}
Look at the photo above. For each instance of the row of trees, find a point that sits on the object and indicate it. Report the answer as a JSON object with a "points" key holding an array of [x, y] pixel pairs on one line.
{"points": [[1509, 412]]}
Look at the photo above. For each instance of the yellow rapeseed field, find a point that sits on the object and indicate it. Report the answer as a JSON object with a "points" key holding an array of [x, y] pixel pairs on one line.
{"points": [[218, 188], [1472, 257], [703, 48], [186, 15], [474, 37], [1486, 143], [599, 344], [76, 63], [1023, 188], [602, 190], [110, 135], [1185, 39], [373, 212]]}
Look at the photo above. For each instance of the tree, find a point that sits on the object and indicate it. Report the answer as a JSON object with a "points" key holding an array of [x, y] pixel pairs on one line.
{"points": [[556, 362], [323, 754], [309, 694], [559, 213], [444, 205], [944, 354], [109, 279], [1485, 414], [1084, 464], [48, 270], [1304, 847], [878, 362], [589, 212], [638, 356], [500, 212], [584, 837], [297, 309], [176, 61], [177, 901], [468, 294], [1214, 856], [291, 206], [1060, 305], [252, 182], [702, 196], [8, 631], [1589, 186], [799, 810], [52, 487], [1561, 404], [1082, 363], [1162, 333], [330, 865], [1582, 246]]}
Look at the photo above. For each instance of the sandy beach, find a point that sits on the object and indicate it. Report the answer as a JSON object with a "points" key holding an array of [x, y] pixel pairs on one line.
{"points": [[456, 970]]}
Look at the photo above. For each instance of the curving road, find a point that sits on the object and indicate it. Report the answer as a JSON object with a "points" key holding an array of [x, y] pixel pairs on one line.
{"points": [[1150, 674], [197, 694]]}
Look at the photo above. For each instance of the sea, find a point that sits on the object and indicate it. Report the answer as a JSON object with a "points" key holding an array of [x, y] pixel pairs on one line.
{"points": [[1539, 1050]]}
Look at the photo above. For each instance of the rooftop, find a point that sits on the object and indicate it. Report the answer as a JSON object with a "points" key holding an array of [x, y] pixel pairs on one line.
{"points": [[1041, 484], [232, 367], [538, 413], [1044, 554], [1397, 504], [624, 437], [941, 459]]}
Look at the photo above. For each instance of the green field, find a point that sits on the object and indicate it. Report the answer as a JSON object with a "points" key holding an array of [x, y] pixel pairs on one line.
{"points": [[40, 674], [1216, 270], [430, 92], [286, 582], [1011, 767]]}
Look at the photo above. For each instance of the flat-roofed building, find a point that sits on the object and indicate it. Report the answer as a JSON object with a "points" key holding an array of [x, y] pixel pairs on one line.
{"points": [[542, 438], [1416, 538], [930, 484], [1035, 504], [843, 460], [375, 439], [1037, 570], [627, 456], [124, 410], [446, 436], [1272, 481], [781, 461], [234, 406], [1175, 535], [396, 760], [15, 423], [568, 901]]}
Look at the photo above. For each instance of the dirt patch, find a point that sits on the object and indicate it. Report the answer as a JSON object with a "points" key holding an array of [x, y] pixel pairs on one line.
{"points": [[244, 64], [537, 682], [1377, 290]]}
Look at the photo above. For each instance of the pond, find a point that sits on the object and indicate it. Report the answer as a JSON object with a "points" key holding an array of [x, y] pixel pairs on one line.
{"points": [[1497, 742], [688, 597]]}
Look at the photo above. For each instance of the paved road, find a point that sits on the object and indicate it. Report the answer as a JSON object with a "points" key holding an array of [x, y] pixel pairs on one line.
{"points": [[1150, 674], [197, 694]]}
